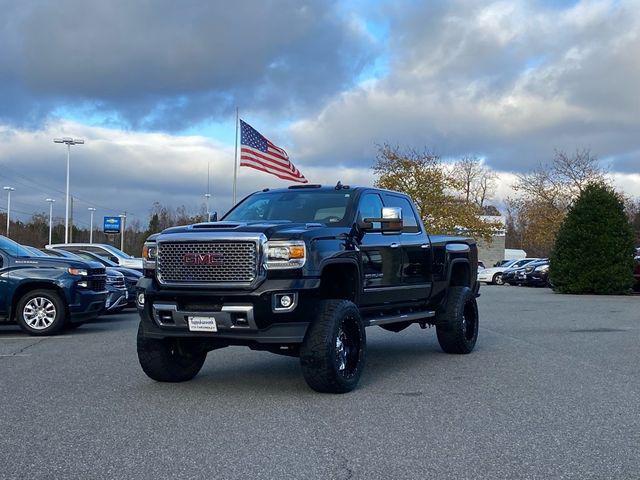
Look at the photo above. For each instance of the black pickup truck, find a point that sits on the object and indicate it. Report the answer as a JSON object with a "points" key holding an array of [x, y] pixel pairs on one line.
{"points": [[302, 271], [43, 294]]}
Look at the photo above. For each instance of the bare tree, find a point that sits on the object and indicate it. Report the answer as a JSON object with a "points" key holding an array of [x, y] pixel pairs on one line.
{"points": [[545, 194], [477, 180]]}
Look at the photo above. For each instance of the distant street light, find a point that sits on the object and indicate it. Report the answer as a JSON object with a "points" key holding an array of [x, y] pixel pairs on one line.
{"points": [[51, 202], [8, 190], [91, 209], [68, 141], [123, 222]]}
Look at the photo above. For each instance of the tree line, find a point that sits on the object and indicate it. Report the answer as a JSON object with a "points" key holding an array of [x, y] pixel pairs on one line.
{"points": [[35, 231], [452, 197]]}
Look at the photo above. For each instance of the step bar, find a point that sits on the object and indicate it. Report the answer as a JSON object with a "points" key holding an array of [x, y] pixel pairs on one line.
{"points": [[404, 317]]}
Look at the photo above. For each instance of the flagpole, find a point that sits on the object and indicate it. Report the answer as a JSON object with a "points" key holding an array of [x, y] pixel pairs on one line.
{"points": [[235, 163]]}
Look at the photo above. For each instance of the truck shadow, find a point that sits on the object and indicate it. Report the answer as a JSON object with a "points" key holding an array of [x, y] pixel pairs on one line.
{"points": [[262, 373]]}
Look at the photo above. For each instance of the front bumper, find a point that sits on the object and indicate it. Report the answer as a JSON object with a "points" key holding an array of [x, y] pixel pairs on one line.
{"points": [[242, 317], [535, 278], [87, 304], [116, 299]]}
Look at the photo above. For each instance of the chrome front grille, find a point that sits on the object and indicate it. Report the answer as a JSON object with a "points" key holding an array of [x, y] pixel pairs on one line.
{"points": [[117, 283], [214, 262]]}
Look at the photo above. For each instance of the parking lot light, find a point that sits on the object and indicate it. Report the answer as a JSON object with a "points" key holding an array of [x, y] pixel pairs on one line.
{"points": [[8, 190], [51, 201], [68, 141], [91, 209]]}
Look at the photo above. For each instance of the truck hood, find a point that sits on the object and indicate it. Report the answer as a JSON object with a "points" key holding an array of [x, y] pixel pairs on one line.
{"points": [[271, 230], [56, 262]]}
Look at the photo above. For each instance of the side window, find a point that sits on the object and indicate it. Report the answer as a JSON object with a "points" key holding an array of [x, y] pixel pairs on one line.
{"points": [[370, 207], [408, 217]]}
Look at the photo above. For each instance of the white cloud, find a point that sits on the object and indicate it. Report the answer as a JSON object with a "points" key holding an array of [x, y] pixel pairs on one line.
{"points": [[510, 81]]}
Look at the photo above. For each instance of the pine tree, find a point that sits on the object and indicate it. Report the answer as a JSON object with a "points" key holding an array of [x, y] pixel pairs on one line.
{"points": [[593, 252]]}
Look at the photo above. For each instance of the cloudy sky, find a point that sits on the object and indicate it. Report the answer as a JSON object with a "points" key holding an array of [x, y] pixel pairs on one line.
{"points": [[152, 87]]}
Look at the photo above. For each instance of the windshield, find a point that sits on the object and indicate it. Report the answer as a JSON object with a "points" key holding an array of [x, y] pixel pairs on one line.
{"points": [[14, 249], [96, 258], [320, 206], [117, 252]]}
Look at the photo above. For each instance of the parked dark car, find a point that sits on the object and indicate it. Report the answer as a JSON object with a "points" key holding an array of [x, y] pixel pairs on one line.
{"points": [[131, 276], [43, 295], [535, 274], [636, 270], [118, 296], [510, 276]]}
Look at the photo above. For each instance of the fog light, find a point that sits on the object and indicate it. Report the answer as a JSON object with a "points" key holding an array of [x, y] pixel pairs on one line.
{"points": [[83, 284], [141, 299], [285, 301]]}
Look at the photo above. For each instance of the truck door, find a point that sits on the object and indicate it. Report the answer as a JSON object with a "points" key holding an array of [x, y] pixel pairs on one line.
{"points": [[381, 257], [4, 287], [416, 251]]}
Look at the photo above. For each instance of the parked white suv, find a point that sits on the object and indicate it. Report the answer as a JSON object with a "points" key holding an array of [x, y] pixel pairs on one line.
{"points": [[104, 250], [493, 275]]}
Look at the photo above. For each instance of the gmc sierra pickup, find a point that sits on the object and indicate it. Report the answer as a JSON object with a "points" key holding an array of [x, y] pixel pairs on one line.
{"points": [[302, 271], [43, 294]]}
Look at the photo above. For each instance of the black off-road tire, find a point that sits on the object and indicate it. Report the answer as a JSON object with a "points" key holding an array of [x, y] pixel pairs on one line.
{"points": [[497, 279], [457, 322], [168, 359], [331, 364], [52, 298]]}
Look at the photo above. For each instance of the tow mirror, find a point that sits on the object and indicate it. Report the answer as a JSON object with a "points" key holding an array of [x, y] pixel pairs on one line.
{"points": [[390, 221]]}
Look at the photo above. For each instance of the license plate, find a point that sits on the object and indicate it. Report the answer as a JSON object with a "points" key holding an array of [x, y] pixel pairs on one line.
{"points": [[202, 324]]}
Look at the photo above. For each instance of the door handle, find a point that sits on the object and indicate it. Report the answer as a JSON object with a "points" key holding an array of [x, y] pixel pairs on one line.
{"points": [[425, 245], [394, 245]]}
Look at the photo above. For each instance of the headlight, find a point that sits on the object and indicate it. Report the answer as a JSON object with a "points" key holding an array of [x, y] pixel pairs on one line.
{"points": [[285, 254], [77, 271], [149, 251], [542, 268], [149, 254]]}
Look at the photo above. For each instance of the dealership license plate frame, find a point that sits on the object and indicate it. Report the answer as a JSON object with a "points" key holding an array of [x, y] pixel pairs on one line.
{"points": [[200, 323]]}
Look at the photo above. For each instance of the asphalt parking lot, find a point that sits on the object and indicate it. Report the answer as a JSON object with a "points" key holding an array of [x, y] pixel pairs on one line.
{"points": [[551, 391]]}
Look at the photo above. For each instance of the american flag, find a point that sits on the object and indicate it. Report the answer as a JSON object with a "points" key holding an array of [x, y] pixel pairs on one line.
{"points": [[259, 153]]}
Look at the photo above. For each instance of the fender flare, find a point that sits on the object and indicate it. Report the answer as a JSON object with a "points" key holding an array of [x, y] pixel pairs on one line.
{"points": [[457, 261], [345, 261]]}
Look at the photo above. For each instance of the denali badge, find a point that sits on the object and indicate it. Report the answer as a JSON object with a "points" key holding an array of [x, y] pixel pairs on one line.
{"points": [[214, 259]]}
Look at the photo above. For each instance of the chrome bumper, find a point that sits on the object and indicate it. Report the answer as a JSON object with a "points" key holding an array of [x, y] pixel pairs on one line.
{"points": [[229, 317]]}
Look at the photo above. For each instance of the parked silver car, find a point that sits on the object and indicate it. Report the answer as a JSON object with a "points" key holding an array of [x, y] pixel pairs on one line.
{"points": [[104, 250]]}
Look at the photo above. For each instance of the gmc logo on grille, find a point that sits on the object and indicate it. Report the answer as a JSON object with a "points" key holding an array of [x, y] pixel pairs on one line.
{"points": [[212, 259]]}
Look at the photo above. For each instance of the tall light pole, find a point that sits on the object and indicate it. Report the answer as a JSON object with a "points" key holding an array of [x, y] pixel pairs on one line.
{"points": [[51, 202], [207, 196], [8, 190], [91, 209], [123, 223], [68, 141]]}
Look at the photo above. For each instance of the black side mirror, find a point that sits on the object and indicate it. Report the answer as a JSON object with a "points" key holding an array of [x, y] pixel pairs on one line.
{"points": [[390, 221], [215, 217]]}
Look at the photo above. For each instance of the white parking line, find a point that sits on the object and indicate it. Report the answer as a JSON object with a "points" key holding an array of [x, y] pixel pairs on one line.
{"points": [[34, 338], [16, 355]]}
